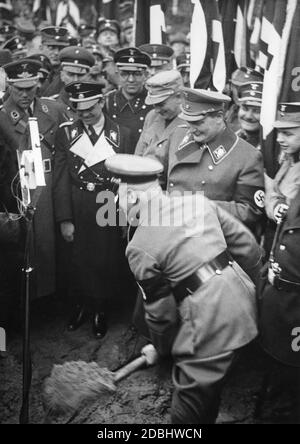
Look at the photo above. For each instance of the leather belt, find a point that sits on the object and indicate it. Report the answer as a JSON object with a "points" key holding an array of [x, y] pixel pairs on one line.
{"points": [[284, 284], [92, 186], [190, 284]]}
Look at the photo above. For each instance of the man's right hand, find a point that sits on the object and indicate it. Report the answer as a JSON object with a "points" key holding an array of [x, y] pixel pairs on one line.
{"points": [[280, 211], [67, 230]]}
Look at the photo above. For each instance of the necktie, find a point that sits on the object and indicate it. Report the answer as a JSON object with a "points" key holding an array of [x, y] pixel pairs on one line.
{"points": [[93, 134]]}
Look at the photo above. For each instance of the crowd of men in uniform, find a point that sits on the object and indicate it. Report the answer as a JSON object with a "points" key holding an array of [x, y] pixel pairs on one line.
{"points": [[109, 115]]}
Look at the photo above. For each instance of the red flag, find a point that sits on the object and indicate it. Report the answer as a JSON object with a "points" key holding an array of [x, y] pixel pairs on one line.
{"points": [[290, 91], [110, 9], [275, 32], [242, 35], [228, 14], [208, 69], [149, 22]]}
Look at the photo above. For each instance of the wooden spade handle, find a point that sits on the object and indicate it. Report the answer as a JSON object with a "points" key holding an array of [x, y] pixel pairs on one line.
{"points": [[130, 368]]}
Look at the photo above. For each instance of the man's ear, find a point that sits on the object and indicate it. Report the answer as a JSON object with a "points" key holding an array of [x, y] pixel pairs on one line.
{"points": [[132, 197], [62, 75]]}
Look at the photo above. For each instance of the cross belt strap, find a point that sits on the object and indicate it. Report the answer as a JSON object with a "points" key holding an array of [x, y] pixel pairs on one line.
{"points": [[285, 285], [190, 284]]}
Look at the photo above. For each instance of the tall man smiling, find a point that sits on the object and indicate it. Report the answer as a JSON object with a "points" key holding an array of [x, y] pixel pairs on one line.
{"points": [[205, 155]]}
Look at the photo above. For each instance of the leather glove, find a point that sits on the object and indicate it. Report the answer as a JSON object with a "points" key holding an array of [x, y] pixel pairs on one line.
{"points": [[67, 230], [280, 211]]}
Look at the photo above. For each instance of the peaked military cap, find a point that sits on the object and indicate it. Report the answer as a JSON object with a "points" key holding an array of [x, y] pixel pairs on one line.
{"points": [[23, 73], [245, 75], [132, 59], [288, 115], [84, 95], [251, 93], [16, 46], [160, 54], [183, 61], [55, 36], [127, 24], [5, 56], [85, 30], [199, 102], [25, 27], [45, 63], [76, 59], [178, 37], [108, 25], [130, 168], [162, 85]]}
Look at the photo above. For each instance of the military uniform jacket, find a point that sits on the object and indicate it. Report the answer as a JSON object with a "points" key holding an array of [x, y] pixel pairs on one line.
{"points": [[227, 170], [13, 123], [251, 137], [280, 309], [128, 113], [155, 133], [221, 315], [68, 165]]}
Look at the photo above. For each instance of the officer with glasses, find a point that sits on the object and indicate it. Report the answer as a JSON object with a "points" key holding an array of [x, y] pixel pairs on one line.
{"points": [[126, 106]]}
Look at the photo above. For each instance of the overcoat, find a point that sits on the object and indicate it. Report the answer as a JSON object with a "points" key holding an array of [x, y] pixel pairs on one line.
{"points": [[13, 124], [227, 170], [96, 248]]}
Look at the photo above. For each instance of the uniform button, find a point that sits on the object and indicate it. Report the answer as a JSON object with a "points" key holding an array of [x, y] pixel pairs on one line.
{"points": [[140, 130], [203, 182], [76, 167], [144, 106], [80, 188], [141, 118], [210, 167], [52, 146], [81, 177], [114, 116], [282, 247], [291, 231], [68, 108], [171, 184], [160, 145], [51, 131]]}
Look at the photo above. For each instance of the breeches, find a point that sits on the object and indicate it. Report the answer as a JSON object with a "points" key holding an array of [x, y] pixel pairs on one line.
{"points": [[198, 386]]}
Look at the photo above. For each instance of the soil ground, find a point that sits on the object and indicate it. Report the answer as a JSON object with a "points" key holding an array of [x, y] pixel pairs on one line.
{"points": [[144, 397]]}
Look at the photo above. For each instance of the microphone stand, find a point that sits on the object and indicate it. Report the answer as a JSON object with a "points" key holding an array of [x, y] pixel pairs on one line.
{"points": [[27, 365]]}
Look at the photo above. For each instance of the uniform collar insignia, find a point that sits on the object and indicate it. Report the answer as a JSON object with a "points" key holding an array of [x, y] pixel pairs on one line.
{"points": [[186, 140], [219, 151], [114, 136], [74, 133], [45, 108], [15, 115]]}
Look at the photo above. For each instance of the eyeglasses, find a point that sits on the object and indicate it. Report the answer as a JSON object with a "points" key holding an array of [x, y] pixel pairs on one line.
{"points": [[135, 74]]}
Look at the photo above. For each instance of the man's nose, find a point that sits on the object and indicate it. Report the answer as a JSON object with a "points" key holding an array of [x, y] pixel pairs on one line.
{"points": [[280, 137]]}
